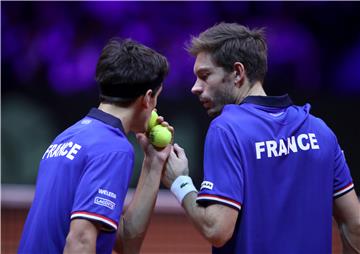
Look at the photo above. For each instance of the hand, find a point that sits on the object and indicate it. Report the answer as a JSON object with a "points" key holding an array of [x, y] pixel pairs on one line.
{"points": [[176, 165], [160, 120], [151, 153]]}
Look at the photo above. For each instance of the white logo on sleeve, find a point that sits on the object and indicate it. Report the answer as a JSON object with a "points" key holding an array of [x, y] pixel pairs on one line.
{"points": [[206, 185], [107, 193], [104, 202]]}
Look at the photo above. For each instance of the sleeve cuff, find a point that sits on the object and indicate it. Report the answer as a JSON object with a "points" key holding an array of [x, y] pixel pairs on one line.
{"points": [[108, 224], [207, 198], [343, 190]]}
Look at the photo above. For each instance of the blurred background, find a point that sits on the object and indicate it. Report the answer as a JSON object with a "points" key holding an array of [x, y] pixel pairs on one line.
{"points": [[49, 52]]}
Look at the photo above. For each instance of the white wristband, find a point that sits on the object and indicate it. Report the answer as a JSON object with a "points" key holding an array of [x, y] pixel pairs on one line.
{"points": [[182, 186]]}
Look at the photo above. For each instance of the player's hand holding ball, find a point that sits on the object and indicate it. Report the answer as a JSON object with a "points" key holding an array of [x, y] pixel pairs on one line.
{"points": [[159, 134]]}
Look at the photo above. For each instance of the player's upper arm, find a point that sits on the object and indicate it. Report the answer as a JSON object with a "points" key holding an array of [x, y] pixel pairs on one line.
{"points": [[347, 215], [347, 209], [82, 236], [220, 223]]}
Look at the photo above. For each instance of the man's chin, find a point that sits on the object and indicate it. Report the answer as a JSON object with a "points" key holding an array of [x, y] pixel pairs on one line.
{"points": [[212, 112]]}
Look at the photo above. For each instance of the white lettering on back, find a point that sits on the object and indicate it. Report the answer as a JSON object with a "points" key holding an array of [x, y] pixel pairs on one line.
{"points": [[73, 151], [282, 148], [47, 151], [292, 144], [273, 148], [63, 152], [259, 149], [60, 150], [313, 141], [300, 142]]}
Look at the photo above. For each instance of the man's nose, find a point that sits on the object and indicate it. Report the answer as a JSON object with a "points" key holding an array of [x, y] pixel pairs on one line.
{"points": [[197, 88]]}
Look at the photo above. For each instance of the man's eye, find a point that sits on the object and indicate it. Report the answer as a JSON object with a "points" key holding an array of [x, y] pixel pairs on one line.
{"points": [[204, 76]]}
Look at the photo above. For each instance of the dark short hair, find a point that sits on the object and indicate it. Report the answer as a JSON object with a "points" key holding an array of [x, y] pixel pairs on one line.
{"points": [[229, 43], [126, 69]]}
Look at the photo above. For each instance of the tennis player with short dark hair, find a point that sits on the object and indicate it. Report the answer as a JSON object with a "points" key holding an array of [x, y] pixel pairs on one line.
{"points": [[274, 174], [84, 174]]}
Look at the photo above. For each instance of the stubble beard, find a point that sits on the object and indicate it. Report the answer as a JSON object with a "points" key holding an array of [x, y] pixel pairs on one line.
{"points": [[221, 98]]}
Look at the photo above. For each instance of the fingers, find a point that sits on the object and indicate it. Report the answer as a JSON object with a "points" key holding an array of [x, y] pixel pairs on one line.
{"points": [[168, 150], [179, 151], [171, 129], [165, 124], [172, 152], [139, 135], [178, 148], [141, 139], [160, 120], [172, 155]]}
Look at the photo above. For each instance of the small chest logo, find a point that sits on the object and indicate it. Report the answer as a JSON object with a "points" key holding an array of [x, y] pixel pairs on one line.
{"points": [[206, 185], [104, 202]]}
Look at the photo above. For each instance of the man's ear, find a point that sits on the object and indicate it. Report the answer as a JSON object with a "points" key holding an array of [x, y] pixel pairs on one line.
{"points": [[239, 70], [146, 99]]}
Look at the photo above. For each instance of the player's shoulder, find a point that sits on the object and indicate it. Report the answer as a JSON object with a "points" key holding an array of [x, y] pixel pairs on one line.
{"points": [[231, 115], [321, 126], [316, 124], [313, 118], [98, 136], [109, 141]]}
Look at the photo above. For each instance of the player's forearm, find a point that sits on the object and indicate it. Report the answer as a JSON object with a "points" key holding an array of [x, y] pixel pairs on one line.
{"points": [[139, 211], [136, 218], [204, 220]]}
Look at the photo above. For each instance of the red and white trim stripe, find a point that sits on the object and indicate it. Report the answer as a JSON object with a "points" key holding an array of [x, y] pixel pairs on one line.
{"points": [[94, 216], [344, 189], [219, 199]]}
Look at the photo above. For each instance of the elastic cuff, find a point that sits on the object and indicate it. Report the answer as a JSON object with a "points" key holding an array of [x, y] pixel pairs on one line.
{"points": [[181, 187]]}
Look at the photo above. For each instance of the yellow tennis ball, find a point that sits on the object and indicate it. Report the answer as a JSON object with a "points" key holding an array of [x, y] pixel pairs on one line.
{"points": [[152, 120], [160, 136]]}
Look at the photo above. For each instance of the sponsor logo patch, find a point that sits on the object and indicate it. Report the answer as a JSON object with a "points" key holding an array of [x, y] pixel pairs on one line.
{"points": [[206, 185], [107, 193], [104, 202]]}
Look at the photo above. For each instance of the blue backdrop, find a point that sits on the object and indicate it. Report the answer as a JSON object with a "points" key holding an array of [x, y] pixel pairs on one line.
{"points": [[49, 52]]}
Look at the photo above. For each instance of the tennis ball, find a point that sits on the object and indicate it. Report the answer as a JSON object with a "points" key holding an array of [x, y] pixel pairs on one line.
{"points": [[160, 136], [152, 120]]}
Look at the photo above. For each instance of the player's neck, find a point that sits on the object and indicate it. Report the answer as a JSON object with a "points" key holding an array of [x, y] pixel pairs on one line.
{"points": [[123, 113], [256, 90], [250, 90]]}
